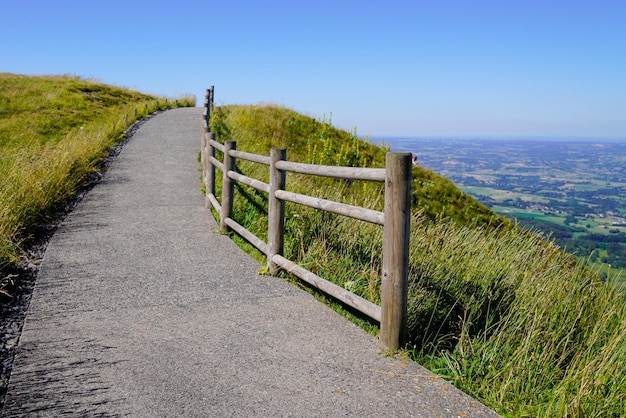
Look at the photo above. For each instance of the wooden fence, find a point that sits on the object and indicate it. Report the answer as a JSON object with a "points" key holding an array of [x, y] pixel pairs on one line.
{"points": [[395, 220]]}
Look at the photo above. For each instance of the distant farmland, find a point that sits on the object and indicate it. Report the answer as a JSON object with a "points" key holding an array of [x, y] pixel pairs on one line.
{"points": [[573, 190]]}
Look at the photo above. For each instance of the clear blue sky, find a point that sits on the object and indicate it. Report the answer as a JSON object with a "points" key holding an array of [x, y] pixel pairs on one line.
{"points": [[390, 68]]}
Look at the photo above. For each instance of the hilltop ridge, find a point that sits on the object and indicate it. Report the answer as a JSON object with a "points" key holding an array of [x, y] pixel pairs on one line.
{"points": [[259, 128], [54, 130]]}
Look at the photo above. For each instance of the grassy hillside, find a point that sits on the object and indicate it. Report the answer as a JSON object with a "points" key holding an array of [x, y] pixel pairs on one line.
{"points": [[53, 132], [259, 128], [505, 315]]}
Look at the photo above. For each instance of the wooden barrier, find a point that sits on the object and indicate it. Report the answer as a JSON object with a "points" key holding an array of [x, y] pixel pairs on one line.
{"points": [[395, 220]]}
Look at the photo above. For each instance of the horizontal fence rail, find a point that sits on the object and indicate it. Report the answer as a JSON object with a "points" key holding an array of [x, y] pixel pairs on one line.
{"points": [[356, 212], [346, 173], [395, 219]]}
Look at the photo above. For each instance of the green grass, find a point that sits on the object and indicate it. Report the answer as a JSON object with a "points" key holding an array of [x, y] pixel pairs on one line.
{"points": [[525, 328], [505, 315], [54, 131]]}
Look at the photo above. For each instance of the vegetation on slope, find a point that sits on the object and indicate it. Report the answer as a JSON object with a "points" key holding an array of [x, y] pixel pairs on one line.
{"points": [[505, 315], [54, 131], [259, 128]]}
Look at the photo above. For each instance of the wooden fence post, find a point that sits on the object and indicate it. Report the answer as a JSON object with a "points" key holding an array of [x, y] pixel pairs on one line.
{"points": [[204, 142], [206, 106], [396, 251], [227, 185], [211, 96], [276, 209], [210, 169]]}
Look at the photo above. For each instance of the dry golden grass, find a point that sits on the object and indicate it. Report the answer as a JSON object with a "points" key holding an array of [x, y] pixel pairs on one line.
{"points": [[53, 132]]}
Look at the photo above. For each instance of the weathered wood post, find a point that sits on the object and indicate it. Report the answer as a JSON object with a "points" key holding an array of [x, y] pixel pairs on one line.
{"points": [[208, 105], [204, 138], [206, 113], [227, 185], [211, 96], [396, 250], [210, 169], [276, 209]]}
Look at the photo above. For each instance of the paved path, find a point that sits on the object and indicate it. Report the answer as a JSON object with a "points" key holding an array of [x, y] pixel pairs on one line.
{"points": [[142, 309]]}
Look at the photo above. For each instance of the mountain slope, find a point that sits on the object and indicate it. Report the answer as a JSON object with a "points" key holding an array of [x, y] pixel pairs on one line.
{"points": [[507, 316], [259, 128]]}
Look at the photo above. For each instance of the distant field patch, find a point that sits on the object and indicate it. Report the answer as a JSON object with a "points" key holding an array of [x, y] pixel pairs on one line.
{"points": [[502, 195]]}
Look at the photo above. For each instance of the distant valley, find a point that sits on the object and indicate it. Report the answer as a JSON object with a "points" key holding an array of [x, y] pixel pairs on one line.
{"points": [[573, 190]]}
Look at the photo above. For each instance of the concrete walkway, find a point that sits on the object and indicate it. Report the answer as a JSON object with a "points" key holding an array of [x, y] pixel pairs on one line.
{"points": [[142, 309]]}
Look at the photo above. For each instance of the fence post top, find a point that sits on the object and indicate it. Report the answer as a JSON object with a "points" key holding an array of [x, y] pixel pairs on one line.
{"points": [[401, 158], [399, 153]]}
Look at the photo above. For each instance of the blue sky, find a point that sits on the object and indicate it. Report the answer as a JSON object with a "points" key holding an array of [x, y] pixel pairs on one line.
{"points": [[392, 68]]}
